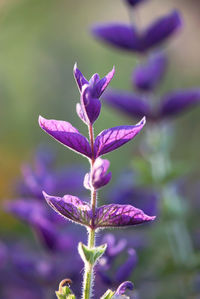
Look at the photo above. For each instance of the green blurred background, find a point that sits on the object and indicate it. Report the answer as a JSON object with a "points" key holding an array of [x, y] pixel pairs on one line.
{"points": [[40, 40]]}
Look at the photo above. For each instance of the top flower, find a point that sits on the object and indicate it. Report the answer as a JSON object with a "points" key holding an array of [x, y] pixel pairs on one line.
{"points": [[134, 2], [89, 108]]}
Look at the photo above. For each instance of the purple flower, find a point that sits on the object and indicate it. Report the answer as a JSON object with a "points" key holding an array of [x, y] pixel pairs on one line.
{"points": [[123, 287], [129, 38], [89, 108], [134, 2], [147, 76], [98, 176], [124, 271]]}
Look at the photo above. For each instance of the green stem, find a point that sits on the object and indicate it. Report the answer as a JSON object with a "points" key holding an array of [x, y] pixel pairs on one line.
{"points": [[88, 274]]}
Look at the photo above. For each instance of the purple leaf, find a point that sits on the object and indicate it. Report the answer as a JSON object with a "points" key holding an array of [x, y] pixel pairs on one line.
{"points": [[129, 103], [147, 76], [162, 29], [71, 207], [120, 35], [110, 139], [80, 113], [115, 215], [128, 37], [177, 101], [65, 133]]}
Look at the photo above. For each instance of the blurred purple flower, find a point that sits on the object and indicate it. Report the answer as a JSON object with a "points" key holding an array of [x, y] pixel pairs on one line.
{"points": [[89, 108], [128, 37], [134, 2], [148, 75]]}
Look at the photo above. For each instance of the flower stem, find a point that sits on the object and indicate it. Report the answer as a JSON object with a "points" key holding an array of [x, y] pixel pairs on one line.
{"points": [[88, 275]]}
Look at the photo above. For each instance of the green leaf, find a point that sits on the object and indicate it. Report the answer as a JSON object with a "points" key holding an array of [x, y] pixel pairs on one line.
{"points": [[108, 294], [91, 255]]}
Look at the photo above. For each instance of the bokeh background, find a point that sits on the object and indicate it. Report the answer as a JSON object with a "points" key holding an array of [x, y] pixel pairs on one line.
{"points": [[40, 40]]}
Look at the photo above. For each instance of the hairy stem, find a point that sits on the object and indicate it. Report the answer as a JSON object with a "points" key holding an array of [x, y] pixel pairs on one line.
{"points": [[88, 275]]}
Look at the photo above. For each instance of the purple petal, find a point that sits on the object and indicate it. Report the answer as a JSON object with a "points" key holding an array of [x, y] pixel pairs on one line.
{"points": [[129, 103], [178, 101], [162, 29], [126, 269], [70, 207], [147, 76], [110, 139], [65, 133], [114, 247], [115, 215], [91, 106], [80, 79], [80, 113], [103, 83], [123, 287], [99, 176], [119, 35]]}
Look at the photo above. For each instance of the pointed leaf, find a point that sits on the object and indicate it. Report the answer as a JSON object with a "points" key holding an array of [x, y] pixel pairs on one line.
{"points": [[65, 133], [91, 255], [111, 139], [129, 103], [178, 101], [103, 83], [70, 207], [115, 215], [80, 79]]}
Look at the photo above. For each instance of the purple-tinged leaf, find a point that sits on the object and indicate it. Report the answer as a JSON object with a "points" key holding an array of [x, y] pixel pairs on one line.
{"points": [[80, 113], [70, 207], [162, 29], [177, 101], [123, 287], [80, 79], [114, 215], [147, 76], [129, 38], [129, 103], [110, 139], [65, 133], [119, 35]]}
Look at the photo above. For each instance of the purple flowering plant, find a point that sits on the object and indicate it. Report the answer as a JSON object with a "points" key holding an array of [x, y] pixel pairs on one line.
{"points": [[86, 213]]}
